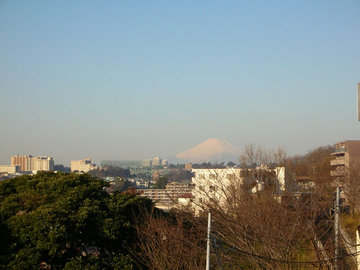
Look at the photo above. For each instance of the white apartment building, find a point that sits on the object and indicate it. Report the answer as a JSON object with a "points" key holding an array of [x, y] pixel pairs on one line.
{"points": [[221, 186], [30, 163], [83, 165], [147, 163], [215, 185], [43, 164], [169, 195], [164, 162], [156, 161]]}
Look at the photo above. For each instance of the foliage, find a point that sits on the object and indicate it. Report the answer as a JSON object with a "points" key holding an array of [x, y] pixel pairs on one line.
{"points": [[314, 167], [120, 185], [62, 220], [161, 182], [351, 188], [173, 241], [264, 233], [350, 223], [179, 175], [118, 262], [315, 164], [61, 168], [110, 171]]}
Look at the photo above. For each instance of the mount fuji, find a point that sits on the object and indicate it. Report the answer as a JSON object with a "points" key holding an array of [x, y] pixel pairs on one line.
{"points": [[211, 150]]}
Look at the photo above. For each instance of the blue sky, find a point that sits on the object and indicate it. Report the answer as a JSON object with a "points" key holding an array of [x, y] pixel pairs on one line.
{"points": [[135, 79]]}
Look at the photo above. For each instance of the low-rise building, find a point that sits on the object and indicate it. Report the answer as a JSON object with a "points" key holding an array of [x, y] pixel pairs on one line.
{"points": [[126, 164], [83, 165], [135, 164], [9, 168], [169, 195], [139, 182]]}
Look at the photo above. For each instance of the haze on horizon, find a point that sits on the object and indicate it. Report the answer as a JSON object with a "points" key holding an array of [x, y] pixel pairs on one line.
{"points": [[135, 79]]}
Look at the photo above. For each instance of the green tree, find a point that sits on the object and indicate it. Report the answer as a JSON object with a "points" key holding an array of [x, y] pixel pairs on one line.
{"points": [[161, 182], [62, 220], [110, 171]]}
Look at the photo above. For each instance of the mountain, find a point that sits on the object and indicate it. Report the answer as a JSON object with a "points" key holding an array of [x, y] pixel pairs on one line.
{"points": [[211, 150]]}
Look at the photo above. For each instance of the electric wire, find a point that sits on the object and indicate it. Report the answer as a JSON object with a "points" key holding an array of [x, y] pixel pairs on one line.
{"points": [[287, 261]]}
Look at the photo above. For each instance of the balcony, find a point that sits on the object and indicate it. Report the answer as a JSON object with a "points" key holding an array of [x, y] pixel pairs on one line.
{"points": [[337, 162], [338, 154], [337, 173]]}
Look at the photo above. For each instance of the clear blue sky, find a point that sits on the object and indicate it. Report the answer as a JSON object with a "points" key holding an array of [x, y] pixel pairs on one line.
{"points": [[134, 79]]}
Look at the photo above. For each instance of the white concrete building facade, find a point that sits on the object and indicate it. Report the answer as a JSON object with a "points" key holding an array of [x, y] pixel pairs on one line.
{"points": [[223, 186], [83, 165], [216, 185], [43, 163], [33, 163], [9, 168]]}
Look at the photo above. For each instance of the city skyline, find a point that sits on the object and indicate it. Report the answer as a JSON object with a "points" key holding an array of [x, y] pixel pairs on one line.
{"points": [[137, 80]]}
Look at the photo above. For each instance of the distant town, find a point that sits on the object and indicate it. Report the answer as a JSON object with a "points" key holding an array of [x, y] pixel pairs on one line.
{"points": [[167, 185], [261, 202]]}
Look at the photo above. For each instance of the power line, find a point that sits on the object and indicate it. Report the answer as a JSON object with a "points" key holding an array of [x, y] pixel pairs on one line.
{"points": [[287, 261]]}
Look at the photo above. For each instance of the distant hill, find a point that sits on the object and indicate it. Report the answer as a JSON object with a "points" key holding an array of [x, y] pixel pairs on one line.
{"points": [[211, 150]]}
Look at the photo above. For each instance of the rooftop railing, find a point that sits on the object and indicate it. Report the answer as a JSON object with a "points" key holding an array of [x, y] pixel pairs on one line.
{"points": [[342, 149]]}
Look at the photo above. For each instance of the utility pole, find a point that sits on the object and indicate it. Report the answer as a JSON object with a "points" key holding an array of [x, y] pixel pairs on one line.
{"points": [[337, 227], [208, 242]]}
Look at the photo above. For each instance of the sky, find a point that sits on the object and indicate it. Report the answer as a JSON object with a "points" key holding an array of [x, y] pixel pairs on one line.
{"points": [[135, 79]]}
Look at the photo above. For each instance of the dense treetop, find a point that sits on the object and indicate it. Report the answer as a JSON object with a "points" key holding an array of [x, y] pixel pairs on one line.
{"points": [[60, 220], [110, 171]]}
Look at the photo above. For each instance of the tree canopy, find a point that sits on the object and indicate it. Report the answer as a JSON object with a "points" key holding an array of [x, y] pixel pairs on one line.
{"points": [[161, 182], [110, 171], [66, 221]]}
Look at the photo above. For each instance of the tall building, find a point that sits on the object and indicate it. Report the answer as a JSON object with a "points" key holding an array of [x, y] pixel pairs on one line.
{"points": [[156, 161], [345, 158], [30, 163], [147, 163], [25, 162], [164, 162], [83, 165], [43, 164]]}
